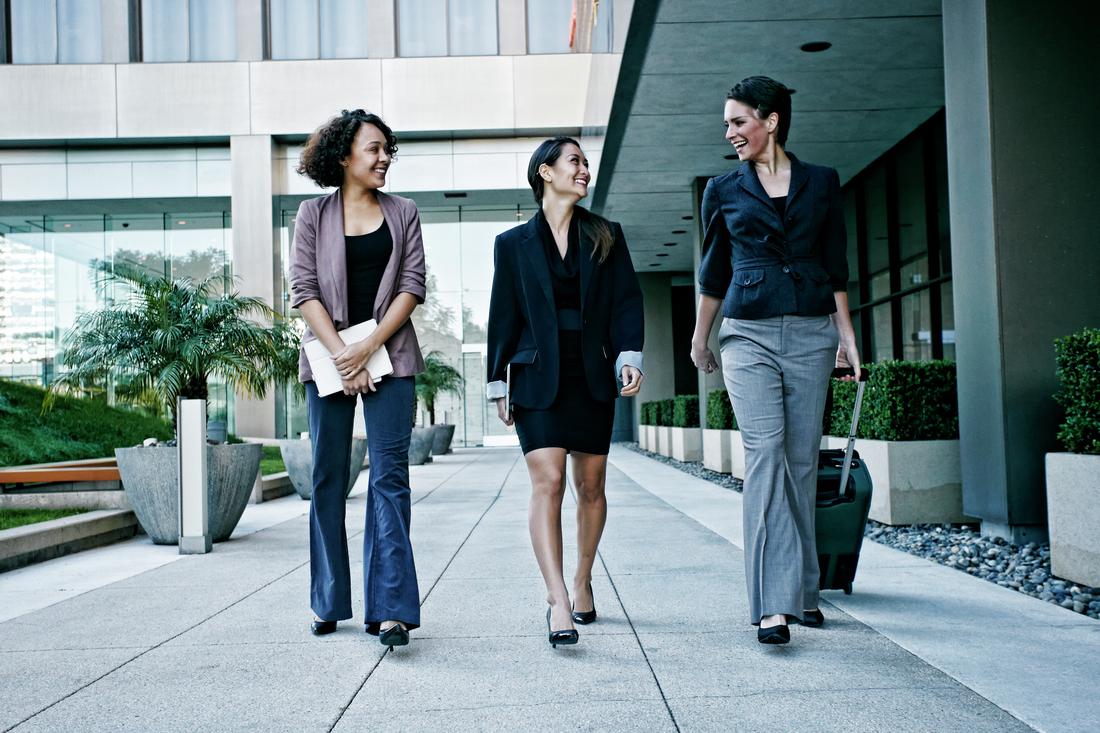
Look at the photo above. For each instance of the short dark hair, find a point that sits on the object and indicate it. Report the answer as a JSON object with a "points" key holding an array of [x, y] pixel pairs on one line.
{"points": [[766, 95], [331, 143]]}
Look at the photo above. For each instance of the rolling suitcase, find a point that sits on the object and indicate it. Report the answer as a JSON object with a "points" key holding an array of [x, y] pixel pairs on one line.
{"points": [[843, 500]]}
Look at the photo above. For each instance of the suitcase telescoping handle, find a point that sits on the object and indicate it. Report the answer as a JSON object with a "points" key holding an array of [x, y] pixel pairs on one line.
{"points": [[847, 469]]}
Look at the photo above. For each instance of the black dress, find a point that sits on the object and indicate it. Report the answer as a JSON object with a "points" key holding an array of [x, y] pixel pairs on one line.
{"points": [[367, 257], [575, 420]]}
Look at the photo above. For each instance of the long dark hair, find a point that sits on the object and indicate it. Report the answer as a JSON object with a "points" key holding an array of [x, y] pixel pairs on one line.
{"points": [[331, 143], [592, 226], [766, 95]]}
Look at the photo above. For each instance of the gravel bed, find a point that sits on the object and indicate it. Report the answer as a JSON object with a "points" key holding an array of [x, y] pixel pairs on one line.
{"points": [[1023, 568]]}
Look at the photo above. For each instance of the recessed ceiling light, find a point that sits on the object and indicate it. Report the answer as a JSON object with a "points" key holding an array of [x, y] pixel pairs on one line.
{"points": [[731, 156], [67, 226], [679, 231], [654, 264], [689, 217], [662, 254], [816, 46], [181, 222], [454, 195], [669, 244]]}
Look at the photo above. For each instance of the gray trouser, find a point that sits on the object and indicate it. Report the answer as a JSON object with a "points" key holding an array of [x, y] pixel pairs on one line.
{"points": [[776, 371]]}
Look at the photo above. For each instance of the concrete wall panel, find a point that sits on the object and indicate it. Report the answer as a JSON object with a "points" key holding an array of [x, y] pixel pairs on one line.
{"points": [[100, 180], [551, 90], [194, 99], [79, 103], [470, 93], [295, 97]]}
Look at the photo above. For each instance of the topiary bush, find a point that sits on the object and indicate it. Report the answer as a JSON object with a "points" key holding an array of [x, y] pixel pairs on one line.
{"points": [[903, 400], [1078, 359], [685, 411], [664, 413], [719, 411]]}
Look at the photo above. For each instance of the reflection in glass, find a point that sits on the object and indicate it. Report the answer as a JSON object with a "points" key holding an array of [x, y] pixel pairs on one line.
{"points": [[548, 26], [294, 28], [33, 32], [916, 327], [421, 27], [79, 32], [472, 27], [947, 304], [213, 30], [164, 30], [882, 343], [603, 37], [343, 29]]}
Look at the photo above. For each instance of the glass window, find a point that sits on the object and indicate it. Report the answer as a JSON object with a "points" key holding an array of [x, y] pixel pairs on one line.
{"points": [[79, 32], [916, 327], [33, 32], [343, 29], [421, 27], [548, 24], [164, 30], [947, 308], [603, 36], [213, 30], [472, 27], [882, 344], [294, 29]]}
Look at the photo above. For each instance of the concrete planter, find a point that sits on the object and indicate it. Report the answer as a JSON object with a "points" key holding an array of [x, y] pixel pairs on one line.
{"points": [[663, 441], [441, 441], [649, 434], [737, 455], [915, 481], [420, 446], [150, 479], [1073, 515], [716, 450], [687, 444], [298, 459]]}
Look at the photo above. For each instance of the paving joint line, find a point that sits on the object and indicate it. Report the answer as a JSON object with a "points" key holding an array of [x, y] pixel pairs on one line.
{"points": [[629, 621], [427, 595]]}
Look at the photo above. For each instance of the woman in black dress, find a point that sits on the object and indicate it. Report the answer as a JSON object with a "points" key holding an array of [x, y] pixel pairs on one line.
{"points": [[565, 322]]}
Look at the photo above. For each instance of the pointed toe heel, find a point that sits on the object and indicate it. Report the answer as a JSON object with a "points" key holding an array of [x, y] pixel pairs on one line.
{"points": [[813, 619], [396, 635], [780, 634], [320, 628], [586, 617], [564, 637]]}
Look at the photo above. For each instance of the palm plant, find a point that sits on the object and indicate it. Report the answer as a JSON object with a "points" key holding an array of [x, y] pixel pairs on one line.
{"points": [[438, 378], [168, 337]]}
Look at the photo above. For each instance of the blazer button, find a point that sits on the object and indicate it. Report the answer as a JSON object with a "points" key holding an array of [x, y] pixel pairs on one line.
{"points": [[786, 269]]}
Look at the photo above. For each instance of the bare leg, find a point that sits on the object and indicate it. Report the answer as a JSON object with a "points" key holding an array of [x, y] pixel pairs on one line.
{"points": [[547, 469], [589, 476]]}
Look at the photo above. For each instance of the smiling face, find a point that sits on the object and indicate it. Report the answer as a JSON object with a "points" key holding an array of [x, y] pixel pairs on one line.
{"points": [[368, 161], [569, 176], [749, 135]]}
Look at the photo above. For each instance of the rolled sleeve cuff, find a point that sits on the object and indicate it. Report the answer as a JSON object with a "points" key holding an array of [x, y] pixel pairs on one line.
{"points": [[629, 358], [496, 390], [711, 292]]}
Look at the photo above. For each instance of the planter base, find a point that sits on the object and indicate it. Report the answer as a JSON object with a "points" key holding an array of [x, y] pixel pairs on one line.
{"points": [[1073, 514], [716, 450]]}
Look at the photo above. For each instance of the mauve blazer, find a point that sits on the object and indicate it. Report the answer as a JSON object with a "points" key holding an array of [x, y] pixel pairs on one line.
{"points": [[319, 271]]}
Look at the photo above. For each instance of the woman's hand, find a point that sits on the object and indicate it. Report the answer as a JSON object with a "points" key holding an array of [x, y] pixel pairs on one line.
{"points": [[702, 357], [502, 412], [847, 355], [632, 381], [352, 360], [361, 383]]}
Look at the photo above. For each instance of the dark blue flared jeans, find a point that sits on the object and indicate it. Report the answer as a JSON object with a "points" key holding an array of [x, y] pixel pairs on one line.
{"points": [[389, 574]]}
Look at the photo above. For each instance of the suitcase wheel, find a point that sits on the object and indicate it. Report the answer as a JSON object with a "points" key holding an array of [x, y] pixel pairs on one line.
{"points": [[847, 589]]}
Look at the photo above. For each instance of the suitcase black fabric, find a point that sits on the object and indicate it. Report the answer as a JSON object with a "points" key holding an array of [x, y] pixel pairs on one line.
{"points": [[841, 515]]}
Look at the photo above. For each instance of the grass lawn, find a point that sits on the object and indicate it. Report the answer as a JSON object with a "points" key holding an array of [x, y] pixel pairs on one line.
{"points": [[272, 461], [10, 518]]}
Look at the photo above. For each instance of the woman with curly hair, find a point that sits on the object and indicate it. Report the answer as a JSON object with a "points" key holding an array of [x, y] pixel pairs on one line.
{"points": [[358, 255]]}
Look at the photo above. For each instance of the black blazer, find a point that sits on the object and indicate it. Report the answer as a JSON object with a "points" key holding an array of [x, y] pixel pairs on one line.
{"points": [[523, 325], [762, 266]]}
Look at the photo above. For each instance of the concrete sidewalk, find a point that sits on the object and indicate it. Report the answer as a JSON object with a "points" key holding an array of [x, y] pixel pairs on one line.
{"points": [[221, 641]]}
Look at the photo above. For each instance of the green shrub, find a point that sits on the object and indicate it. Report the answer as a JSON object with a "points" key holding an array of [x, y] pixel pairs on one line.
{"points": [[719, 411], [685, 411], [72, 430], [903, 400], [1078, 358], [664, 413], [647, 417]]}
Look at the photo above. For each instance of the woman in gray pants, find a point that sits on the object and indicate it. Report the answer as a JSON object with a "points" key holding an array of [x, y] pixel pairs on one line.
{"points": [[774, 261]]}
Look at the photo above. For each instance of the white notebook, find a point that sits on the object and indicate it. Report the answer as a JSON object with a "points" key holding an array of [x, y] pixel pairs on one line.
{"points": [[325, 375]]}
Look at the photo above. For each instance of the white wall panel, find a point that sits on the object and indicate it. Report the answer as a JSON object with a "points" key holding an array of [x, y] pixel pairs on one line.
{"points": [[165, 178], [100, 181], [32, 182], [165, 100], [422, 173], [486, 171], [459, 93], [551, 90], [57, 101], [213, 178], [295, 97]]}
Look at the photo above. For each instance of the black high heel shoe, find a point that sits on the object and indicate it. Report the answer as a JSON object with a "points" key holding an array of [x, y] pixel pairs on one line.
{"points": [[780, 634], [586, 617], [813, 619], [320, 628], [396, 635], [564, 637]]}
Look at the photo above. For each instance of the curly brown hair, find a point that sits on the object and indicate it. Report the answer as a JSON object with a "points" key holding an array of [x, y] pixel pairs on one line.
{"points": [[331, 143]]}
